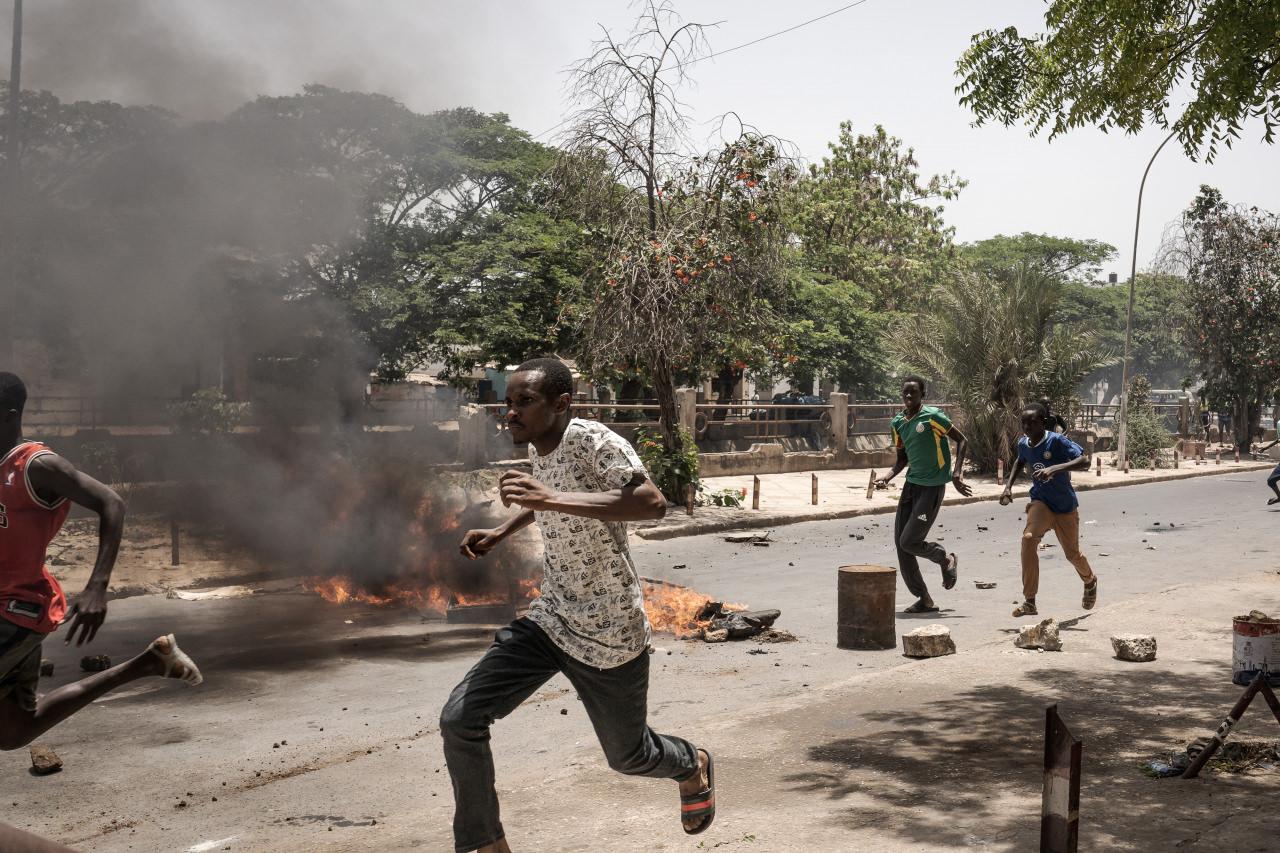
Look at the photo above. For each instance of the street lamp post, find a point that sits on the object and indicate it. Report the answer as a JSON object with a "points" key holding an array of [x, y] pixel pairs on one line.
{"points": [[1121, 419]]}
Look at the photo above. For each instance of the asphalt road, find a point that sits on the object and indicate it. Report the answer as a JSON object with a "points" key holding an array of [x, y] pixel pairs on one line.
{"points": [[315, 729]]}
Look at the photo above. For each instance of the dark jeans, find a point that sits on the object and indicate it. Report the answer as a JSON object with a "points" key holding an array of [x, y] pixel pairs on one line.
{"points": [[522, 659], [917, 511]]}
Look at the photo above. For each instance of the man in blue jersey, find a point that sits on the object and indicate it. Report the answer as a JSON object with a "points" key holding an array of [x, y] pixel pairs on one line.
{"points": [[1050, 456]]}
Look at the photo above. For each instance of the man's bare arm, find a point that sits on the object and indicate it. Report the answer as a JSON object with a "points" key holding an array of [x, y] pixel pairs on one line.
{"points": [[639, 500], [51, 475]]}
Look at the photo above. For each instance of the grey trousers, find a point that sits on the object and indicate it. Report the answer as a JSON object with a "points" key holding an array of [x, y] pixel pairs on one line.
{"points": [[522, 659], [917, 511]]}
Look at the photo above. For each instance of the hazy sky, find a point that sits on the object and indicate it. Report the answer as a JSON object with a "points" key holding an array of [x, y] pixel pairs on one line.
{"points": [[889, 62]]}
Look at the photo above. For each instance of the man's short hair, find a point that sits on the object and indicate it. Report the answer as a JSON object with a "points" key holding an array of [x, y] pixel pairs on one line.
{"points": [[557, 379], [1037, 408], [919, 380], [13, 392]]}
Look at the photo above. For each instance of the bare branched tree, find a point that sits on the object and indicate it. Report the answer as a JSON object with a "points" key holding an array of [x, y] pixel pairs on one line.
{"points": [[688, 246]]}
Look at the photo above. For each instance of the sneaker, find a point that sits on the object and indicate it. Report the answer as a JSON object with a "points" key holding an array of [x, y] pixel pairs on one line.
{"points": [[1026, 608], [1090, 595]]}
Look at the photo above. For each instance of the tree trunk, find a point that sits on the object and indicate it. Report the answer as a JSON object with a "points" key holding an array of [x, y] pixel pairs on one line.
{"points": [[664, 387]]}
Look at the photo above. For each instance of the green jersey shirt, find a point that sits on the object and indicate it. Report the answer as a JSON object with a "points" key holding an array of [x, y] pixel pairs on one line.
{"points": [[924, 438]]}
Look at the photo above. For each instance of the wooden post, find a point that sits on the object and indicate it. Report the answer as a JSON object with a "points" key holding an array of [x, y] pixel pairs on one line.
{"points": [[999, 472], [814, 498], [173, 540], [1237, 455], [1060, 801], [1175, 458], [1217, 457], [689, 492], [1126, 465], [1099, 466], [755, 491], [871, 484]]}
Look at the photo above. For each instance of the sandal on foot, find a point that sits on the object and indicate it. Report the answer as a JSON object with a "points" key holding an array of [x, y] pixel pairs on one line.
{"points": [[921, 607], [1090, 595], [1026, 608], [176, 662], [701, 804], [1273, 501], [949, 571]]}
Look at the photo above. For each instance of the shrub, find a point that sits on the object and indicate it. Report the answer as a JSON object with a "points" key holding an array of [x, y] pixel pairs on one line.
{"points": [[672, 472], [1145, 433], [207, 412]]}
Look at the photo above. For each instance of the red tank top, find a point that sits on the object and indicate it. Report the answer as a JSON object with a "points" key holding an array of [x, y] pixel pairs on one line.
{"points": [[29, 595]]}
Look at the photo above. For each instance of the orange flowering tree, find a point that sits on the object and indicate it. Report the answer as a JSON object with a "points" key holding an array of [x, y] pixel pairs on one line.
{"points": [[689, 247]]}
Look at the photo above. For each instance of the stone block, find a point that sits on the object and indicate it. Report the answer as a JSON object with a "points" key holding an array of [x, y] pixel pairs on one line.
{"points": [[1043, 635], [1138, 648], [929, 641]]}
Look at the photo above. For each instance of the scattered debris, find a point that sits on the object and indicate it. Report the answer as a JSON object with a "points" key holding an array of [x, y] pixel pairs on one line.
{"points": [[46, 667], [95, 663], [44, 760], [980, 527], [678, 567], [928, 641], [1138, 648], [1255, 616], [985, 584], [752, 538], [775, 635], [736, 624], [1237, 756], [1043, 636], [858, 536]]}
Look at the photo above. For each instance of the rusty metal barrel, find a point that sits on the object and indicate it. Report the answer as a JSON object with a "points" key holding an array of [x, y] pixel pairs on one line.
{"points": [[864, 608]]}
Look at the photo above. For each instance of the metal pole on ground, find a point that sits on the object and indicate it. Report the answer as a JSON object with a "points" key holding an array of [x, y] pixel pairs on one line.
{"points": [[1259, 684], [814, 498]]}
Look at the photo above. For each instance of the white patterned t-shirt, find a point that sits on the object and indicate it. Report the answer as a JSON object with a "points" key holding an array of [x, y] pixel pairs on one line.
{"points": [[591, 604]]}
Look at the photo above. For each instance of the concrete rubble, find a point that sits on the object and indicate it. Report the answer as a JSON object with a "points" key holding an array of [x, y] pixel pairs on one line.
{"points": [[44, 760], [1043, 636], [1138, 648], [928, 641]]}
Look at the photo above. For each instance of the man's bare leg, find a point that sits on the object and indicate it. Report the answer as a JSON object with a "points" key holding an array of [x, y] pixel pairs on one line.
{"points": [[19, 727]]}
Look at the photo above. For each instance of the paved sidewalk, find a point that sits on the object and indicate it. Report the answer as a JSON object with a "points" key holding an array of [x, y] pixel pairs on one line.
{"points": [[786, 498]]}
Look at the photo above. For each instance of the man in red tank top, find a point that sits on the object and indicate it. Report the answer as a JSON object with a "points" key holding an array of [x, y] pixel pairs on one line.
{"points": [[37, 488]]}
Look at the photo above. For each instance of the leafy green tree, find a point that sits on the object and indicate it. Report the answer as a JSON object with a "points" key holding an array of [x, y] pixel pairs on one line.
{"points": [[1060, 257], [864, 216], [1232, 257], [1123, 63], [1159, 350], [991, 341], [832, 332]]}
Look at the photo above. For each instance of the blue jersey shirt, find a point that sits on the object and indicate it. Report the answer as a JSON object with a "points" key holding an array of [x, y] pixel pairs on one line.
{"points": [[1054, 449]]}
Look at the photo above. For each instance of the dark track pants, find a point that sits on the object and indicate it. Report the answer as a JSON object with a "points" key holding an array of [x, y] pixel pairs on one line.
{"points": [[917, 511], [522, 659]]}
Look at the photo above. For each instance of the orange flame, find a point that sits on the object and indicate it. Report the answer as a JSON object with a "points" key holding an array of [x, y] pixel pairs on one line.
{"points": [[675, 609]]}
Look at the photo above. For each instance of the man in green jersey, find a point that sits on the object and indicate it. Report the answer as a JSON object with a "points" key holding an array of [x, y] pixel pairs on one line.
{"points": [[922, 436]]}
